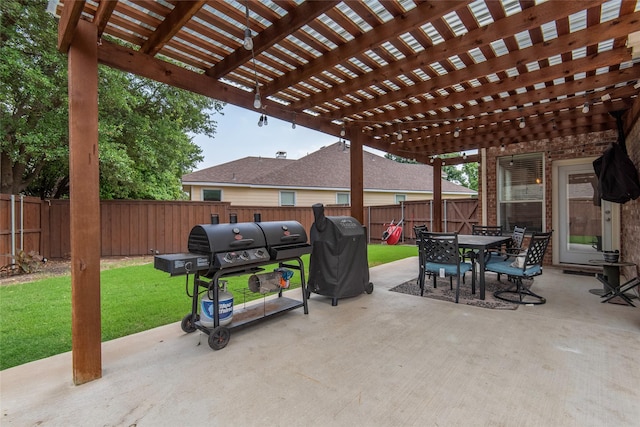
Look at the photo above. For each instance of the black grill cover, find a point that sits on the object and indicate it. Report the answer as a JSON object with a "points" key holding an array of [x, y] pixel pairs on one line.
{"points": [[338, 264]]}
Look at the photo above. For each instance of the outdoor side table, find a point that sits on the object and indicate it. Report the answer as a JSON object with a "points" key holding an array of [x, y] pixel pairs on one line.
{"points": [[610, 277]]}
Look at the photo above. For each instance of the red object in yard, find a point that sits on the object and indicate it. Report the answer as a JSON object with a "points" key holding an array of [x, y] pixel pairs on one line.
{"points": [[392, 233]]}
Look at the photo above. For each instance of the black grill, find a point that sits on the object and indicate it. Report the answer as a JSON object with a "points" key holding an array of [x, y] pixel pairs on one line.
{"points": [[239, 244]]}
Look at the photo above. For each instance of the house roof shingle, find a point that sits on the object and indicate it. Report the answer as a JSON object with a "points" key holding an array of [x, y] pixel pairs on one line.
{"points": [[326, 168]]}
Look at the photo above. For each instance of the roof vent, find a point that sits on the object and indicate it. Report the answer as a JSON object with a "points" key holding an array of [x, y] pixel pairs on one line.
{"points": [[281, 155]]}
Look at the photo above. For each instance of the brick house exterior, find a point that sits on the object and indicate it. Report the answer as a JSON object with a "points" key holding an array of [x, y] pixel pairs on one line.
{"points": [[581, 146]]}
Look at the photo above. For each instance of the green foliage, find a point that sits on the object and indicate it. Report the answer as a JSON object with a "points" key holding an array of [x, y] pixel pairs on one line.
{"points": [[36, 316], [465, 174], [144, 126]]}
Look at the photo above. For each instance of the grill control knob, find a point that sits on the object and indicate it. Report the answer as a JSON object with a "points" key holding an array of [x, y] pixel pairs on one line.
{"points": [[244, 255], [260, 253]]}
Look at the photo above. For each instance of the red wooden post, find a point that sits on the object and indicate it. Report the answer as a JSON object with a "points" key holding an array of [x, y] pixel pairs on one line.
{"points": [[84, 204], [357, 175]]}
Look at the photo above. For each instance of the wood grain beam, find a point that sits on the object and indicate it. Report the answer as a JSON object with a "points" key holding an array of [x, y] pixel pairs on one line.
{"points": [[574, 104], [84, 185], [562, 70], [552, 92], [119, 57], [289, 23], [548, 49], [523, 21], [103, 14], [182, 13], [418, 16], [69, 18]]}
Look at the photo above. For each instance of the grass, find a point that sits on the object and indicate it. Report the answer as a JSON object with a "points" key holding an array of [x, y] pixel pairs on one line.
{"points": [[35, 319]]}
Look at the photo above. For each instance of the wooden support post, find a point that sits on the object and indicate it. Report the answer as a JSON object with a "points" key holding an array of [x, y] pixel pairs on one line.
{"points": [[437, 195], [357, 175], [84, 204]]}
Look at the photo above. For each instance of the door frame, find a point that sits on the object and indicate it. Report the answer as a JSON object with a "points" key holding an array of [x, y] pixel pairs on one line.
{"points": [[555, 208]]}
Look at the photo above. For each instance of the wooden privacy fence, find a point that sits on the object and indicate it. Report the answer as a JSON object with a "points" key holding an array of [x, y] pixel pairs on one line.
{"points": [[143, 227]]}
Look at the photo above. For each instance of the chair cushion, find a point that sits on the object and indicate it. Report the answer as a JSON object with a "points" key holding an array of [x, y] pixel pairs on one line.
{"points": [[449, 269], [505, 267]]}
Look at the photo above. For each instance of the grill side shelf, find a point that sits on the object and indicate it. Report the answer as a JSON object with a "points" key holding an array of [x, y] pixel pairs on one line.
{"points": [[251, 313]]}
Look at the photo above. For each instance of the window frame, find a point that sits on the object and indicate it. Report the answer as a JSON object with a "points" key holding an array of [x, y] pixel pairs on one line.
{"points": [[202, 194], [500, 186], [280, 194], [348, 196]]}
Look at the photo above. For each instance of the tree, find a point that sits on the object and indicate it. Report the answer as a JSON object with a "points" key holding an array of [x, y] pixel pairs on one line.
{"points": [[144, 126], [465, 174]]}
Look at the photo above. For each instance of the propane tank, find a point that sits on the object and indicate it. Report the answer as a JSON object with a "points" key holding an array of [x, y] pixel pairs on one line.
{"points": [[225, 311]]}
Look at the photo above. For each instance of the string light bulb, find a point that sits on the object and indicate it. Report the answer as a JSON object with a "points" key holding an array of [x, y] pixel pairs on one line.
{"points": [[261, 121], [248, 41], [293, 122], [585, 108], [522, 123], [257, 103], [343, 131], [502, 147], [456, 133], [266, 122], [511, 162]]}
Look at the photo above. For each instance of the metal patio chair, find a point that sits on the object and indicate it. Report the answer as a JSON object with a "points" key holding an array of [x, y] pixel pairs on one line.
{"points": [[441, 257], [521, 267]]}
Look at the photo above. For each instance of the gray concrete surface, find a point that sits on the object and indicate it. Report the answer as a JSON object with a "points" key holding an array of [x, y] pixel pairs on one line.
{"points": [[385, 359]]}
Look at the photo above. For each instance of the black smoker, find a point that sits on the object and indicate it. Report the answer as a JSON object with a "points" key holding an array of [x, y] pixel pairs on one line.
{"points": [[338, 267]]}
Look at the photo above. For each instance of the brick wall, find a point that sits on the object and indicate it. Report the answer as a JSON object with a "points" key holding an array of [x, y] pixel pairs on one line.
{"points": [[631, 210], [590, 145]]}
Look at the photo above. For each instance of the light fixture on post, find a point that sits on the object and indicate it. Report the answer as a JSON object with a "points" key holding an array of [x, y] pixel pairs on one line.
{"points": [[248, 41]]}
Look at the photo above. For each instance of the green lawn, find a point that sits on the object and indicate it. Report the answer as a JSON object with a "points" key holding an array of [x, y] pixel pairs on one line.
{"points": [[35, 317]]}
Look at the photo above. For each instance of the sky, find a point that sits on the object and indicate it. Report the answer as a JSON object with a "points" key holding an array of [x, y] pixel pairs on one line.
{"points": [[238, 135]]}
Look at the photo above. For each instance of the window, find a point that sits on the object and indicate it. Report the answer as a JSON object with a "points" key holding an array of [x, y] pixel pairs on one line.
{"points": [[287, 198], [209, 195], [342, 199], [521, 192], [401, 198]]}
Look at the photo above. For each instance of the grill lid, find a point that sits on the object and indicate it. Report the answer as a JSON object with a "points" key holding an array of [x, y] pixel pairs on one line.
{"points": [[217, 238]]}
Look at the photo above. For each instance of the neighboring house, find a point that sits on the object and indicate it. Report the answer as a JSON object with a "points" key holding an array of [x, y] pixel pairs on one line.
{"points": [[319, 177]]}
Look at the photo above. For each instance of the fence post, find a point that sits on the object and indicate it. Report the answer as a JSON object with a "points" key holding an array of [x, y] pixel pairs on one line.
{"points": [[431, 214], [444, 208]]}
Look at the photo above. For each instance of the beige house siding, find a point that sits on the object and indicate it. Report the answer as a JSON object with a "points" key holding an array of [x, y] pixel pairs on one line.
{"points": [[245, 196]]}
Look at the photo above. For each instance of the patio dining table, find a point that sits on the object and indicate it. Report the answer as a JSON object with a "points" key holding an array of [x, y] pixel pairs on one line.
{"points": [[481, 244]]}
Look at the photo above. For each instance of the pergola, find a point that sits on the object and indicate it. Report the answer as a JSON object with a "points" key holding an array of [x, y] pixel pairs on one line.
{"points": [[413, 78]]}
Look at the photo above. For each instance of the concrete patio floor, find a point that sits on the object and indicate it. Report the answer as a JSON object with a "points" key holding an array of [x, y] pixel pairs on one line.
{"points": [[385, 359]]}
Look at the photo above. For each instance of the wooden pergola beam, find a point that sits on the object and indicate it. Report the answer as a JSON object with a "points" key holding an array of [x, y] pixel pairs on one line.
{"points": [[69, 19], [84, 204], [299, 17]]}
